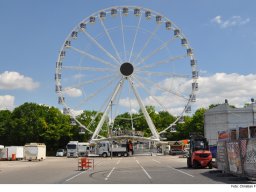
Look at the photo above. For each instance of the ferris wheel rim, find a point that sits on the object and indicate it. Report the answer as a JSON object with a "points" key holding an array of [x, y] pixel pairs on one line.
{"points": [[96, 14]]}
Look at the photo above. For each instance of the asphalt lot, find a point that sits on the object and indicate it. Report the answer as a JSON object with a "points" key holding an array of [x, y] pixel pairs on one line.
{"points": [[116, 170]]}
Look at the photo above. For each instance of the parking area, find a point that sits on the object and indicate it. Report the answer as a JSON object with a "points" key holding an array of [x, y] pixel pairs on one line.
{"points": [[116, 170]]}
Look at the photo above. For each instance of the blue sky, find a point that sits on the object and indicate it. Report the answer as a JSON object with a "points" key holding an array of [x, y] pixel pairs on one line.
{"points": [[221, 33]]}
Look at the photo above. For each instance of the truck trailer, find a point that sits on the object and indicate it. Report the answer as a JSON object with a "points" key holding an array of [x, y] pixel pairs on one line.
{"points": [[107, 149]]}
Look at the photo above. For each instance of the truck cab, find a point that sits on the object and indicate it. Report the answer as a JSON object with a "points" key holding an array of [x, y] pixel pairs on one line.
{"points": [[72, 149]]}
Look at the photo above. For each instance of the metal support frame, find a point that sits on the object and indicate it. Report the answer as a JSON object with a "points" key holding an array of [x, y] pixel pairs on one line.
{"points": [[103, 118], [144, 111]]}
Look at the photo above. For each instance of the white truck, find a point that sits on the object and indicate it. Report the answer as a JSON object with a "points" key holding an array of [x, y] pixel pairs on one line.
{"points": [[72, 149], [35, 151], [106, 149], [83, 149]]}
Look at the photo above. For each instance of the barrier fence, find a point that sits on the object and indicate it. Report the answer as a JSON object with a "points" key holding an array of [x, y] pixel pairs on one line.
{"points": [[236, 154]]}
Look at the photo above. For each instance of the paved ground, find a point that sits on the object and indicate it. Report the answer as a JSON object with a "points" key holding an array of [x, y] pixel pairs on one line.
{"points": [[125, 170]]}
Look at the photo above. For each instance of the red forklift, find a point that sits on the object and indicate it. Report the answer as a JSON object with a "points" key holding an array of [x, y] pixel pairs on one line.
{"points": [[199, 155]]}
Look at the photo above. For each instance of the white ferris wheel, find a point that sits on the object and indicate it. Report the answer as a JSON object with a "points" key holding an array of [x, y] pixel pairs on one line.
{"points": [[122, 59]]}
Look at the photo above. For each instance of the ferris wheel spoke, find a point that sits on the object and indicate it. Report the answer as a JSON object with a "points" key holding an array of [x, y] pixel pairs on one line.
{"points": [[152, 83], [165, 44], [111, 41], [99, 111], [91, 96], [146, 43], [150, 95], [135, 37], [93, 57], [90, 82], [122, 29], [101, 47], [150, 73], [165, 61], [88, 68]]}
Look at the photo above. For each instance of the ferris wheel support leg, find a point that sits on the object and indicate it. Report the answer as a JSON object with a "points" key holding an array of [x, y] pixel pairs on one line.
{"points": [[103, 118], [145, 113]]}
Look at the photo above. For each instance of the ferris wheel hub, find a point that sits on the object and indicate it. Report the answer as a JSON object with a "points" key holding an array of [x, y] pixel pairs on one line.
{"points": [[126, 69]]}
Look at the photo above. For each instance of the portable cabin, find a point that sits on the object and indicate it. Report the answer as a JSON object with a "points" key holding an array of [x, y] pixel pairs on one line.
{"points": [[35, 151]]}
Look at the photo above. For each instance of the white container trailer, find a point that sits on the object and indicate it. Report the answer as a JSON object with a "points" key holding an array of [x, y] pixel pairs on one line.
{"points": [[35, 151], [3, 153], [17, 150]]}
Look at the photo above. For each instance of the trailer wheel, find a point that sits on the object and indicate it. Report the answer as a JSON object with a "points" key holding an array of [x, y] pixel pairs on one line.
{"points": [[125, 154], [104, 155], [119, 154]]}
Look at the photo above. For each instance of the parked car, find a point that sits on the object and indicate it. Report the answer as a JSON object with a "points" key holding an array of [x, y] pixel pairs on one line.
{"points": [[178, 152], [61, 153]]}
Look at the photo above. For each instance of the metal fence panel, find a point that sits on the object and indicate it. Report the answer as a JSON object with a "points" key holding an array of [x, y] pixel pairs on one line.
{"points": [[250, 159], [222, 160], [234, 158]]}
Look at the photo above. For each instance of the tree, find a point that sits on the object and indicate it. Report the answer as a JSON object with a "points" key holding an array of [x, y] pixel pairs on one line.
{"points": [[5, 118]]}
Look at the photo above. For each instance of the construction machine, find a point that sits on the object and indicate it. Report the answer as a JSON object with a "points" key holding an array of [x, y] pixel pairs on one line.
{"points": [[199, 155]]}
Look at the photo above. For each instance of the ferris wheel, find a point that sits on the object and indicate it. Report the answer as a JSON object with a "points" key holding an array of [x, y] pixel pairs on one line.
{"points": [[122, 59]]}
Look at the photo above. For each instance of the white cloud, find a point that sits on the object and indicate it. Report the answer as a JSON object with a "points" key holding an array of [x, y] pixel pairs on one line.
{"points": [[237, 88], [72, 92], [14, 80], [231, 22], [6, 102], [129, 103]]}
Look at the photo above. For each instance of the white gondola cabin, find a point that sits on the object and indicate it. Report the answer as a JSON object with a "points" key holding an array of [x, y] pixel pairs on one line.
{"points": [[137, 12], [148, 15], [184, 42], [102, 15], [195, 74], [59, 65], [62, 54], [193, 62], [74, 34], [176, 32], [66, 111], [67, 44], [92, 20], [113, 12], [192, 98], [168, 25], [61, 100], [57, 76], [189, 52], [125, 11], [72, 121], [81, 130], [58, 88], [82, 26], [195, 86], [188, 109], [158, 19]]}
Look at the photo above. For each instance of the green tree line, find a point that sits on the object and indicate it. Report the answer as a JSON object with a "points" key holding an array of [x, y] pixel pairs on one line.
{"points": [[32, 122]]}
